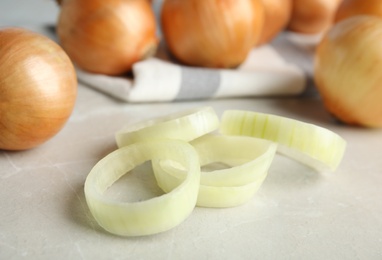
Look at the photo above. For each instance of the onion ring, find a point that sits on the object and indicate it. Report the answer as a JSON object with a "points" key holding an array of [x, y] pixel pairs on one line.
{"points": [[249, 158], [150, 216], [309, 144], [185, 126]]}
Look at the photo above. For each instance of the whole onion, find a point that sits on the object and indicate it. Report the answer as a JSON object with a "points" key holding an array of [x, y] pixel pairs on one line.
{"points": [[38, 87], [277, 15], [350, 8], [348, 67], [312, 16], [212, 33], [107, 36]]}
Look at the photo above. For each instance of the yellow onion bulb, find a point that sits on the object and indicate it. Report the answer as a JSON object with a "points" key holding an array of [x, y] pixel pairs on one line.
{"points": [[38, 88], [212, 33], [107, 37], [277, 15], [312, 16], [347, 71], [350, 8]]}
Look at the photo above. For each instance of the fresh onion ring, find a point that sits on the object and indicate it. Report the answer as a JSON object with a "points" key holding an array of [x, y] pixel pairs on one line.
{"points": [[307, 143], [150, 216], [185, 126], [249, 158]]}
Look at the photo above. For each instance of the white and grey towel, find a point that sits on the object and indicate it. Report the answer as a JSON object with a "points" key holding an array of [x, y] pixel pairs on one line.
{"points": [[283, 67]]}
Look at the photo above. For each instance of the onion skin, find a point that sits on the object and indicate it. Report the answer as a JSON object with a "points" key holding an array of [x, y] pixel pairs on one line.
{"points": [[38, 88], [107, 37], [277, 15], [212, 33], [350, 8], [348, 67], [312, 16]]}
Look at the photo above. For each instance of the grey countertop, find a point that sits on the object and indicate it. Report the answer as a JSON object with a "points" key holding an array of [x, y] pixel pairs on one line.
{"points": [[297, 213]]}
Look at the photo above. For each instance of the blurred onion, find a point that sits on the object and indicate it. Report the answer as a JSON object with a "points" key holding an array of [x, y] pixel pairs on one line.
{"points": [[212, 33], [348, 69], [350, 8], [107, 37], [277, 15], [38, 87], [312, 16]]}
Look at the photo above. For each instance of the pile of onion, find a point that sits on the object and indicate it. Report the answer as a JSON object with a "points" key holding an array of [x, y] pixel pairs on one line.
{"points": [[312, 16], [348, 69], [38, 88], [277, 14], [107, 37], [212, 33], [350, 8], [187, 155]]}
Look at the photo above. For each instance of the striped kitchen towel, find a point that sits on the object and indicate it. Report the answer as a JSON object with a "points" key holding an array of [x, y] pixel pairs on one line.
{"points": [[282, 67]]}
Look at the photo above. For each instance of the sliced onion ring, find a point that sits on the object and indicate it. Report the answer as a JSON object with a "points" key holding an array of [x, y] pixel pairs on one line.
{"points": [[185, 126], [249, 157], [150, 216], [309, 144]]}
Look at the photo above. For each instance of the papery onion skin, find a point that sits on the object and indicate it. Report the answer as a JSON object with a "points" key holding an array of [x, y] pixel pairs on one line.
{"points": [[38, 88], [107, 37], [350, 8], [212, 33], [277, 15], [347, 72], [312, 16]]}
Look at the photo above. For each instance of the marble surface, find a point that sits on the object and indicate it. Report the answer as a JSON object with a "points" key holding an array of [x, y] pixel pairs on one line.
{"points": [[297, 213]]}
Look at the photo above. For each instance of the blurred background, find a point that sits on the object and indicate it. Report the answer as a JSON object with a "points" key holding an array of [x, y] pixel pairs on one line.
{"points": [[28, 13]]}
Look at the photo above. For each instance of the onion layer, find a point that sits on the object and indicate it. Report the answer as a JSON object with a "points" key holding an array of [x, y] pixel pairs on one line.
{"points": [[107, 37], [38, 88], [312, 145], [212, 33], [248, 160], [348, 68], [150, 216], [185, 126]]}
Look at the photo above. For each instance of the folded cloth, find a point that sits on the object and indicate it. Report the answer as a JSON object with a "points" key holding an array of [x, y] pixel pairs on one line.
{"points": [[283, 67]]}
